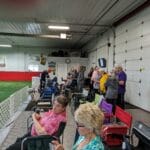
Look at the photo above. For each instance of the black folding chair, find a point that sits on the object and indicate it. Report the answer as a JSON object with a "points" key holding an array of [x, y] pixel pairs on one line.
{"points": [[37, 143], [142, 132], [42, 142], [140, 137]]}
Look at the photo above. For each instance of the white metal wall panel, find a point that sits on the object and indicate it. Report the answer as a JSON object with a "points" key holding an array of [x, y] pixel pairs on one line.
{"points": [[145, 40], [103, 52], [135, 55], [110, 60], [92, 59], [121, 47], [146, 58], [103, 41], [132, 94], [111, 52], [133, 24], [15, 61], [145, 94], [134, 33], [132, 77], [120, 57], [145, 28], [132, 51], [133, 65], [120, 30], [133, 44], [121, 38], [145, 15], [18, 60]]}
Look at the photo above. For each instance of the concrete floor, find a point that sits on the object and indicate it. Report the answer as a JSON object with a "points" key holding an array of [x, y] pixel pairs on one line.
{"points": [[20, 127]]}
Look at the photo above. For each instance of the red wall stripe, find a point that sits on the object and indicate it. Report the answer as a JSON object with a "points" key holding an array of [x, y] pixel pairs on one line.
{"points": [[17, 76]]}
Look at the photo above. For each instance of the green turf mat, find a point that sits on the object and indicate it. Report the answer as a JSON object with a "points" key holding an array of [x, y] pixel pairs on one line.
{"points": [[8, 88]]}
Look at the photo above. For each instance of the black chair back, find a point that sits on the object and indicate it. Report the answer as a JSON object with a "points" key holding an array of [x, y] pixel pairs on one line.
{"points": [[42, 142], [60, 131]]}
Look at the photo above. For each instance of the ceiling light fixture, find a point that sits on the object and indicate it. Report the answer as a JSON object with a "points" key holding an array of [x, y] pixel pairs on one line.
{"points": [[50, 36], [5, 45], [59, 27], [63, 35]]}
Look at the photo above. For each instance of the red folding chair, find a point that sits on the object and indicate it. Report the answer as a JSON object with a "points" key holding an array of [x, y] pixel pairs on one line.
{"points": [[113, 134]]}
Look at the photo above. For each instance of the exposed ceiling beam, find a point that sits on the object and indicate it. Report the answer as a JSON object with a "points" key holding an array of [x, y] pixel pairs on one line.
{"points": [[134, 12], [126, 9], [40, 35], [34, 20], [88, 41], [19, 34], [72, 24], [80, 33], [34, 46]]}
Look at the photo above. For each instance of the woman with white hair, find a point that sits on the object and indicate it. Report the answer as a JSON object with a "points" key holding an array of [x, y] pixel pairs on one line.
{"points": [[89, 120], [122, 78]]}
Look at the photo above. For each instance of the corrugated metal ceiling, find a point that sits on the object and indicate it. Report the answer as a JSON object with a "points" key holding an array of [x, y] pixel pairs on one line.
{"points": [[21, 24]]}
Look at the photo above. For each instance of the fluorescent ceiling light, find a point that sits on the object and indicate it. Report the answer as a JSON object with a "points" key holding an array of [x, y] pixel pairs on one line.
{"points": [[50, 36], [59, 27], [5, 45], [63, 35]]}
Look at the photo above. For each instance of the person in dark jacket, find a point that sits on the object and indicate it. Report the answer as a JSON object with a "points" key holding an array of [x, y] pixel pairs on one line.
{"points": [[43, 77], [80, 79], [112, 90]]}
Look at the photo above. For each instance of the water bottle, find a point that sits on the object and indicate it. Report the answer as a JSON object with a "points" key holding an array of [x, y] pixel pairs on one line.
{"points": [[123, 146]]}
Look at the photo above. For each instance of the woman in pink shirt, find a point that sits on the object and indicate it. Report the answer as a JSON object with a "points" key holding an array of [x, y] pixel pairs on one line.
{"points": [[46, 124]]}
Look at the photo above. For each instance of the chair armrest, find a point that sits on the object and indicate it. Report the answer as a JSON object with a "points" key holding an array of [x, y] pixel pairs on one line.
{"points": [[35, 142]]}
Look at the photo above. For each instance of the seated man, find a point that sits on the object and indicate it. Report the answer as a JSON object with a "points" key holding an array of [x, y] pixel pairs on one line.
{"points": [[46, 124]]}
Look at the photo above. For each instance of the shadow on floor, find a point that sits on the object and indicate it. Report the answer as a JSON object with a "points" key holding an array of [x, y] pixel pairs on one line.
{"points": [[130, 106]]}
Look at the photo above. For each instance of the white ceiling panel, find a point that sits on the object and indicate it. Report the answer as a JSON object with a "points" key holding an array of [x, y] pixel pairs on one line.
{"points": [[27, 20]]}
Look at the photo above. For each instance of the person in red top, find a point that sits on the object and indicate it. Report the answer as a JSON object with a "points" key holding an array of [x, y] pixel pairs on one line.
{"points": [[46, 123]]}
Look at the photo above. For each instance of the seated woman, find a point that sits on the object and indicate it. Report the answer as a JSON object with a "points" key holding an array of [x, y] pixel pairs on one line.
{"points": [[46, 124], [89, 120]]}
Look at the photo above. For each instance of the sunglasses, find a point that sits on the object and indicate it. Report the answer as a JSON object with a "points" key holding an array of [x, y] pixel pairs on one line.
{"points": [[79, 125]]}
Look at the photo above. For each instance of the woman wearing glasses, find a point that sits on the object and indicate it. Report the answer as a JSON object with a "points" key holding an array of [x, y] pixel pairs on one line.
{"points": [[89, 120]]}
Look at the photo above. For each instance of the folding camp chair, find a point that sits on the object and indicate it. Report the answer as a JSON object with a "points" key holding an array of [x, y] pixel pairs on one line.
{"points": [[107, 109], [77, 99], [113, 134], [97, 99], [44, 105], [42, 142]]}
